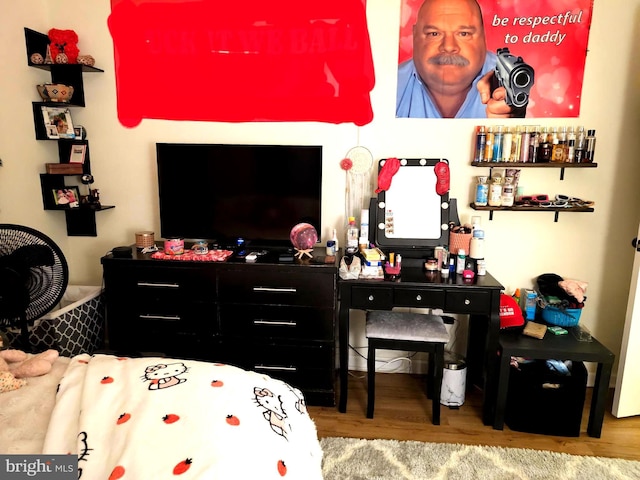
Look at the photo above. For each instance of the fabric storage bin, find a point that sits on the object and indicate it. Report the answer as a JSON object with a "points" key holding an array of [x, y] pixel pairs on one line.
{"points": [[541, 400], [75, 326]]}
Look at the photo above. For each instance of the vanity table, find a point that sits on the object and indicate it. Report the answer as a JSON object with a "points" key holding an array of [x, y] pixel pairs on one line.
{"points": [[411, 215], [479, 298]]}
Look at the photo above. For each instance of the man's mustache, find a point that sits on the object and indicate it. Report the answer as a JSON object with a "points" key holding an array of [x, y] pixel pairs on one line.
{"points": [[445, 59]]}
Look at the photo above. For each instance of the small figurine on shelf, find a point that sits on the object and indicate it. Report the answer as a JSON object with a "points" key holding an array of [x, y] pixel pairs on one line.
{"points": [[94, 198]]}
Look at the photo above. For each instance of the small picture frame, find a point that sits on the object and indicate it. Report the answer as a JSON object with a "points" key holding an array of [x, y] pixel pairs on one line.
{"points": [[78, 130], [58, 123], [66, 197], [52, 132], [77, 153]]}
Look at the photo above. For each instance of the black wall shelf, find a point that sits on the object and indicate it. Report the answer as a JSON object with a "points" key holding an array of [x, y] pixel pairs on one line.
{"points": [[561, 166], [531, 208], [81, 221]]}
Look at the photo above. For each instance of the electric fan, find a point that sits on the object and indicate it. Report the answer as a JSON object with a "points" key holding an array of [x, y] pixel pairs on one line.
{"points": [[33, 278]]}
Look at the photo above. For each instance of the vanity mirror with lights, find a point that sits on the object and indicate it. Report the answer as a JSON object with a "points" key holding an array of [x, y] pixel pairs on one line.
{"points": [[409, 216]]}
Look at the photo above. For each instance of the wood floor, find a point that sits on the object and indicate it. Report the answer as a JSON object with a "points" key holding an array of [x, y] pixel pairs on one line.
{"points": [[402, 412]]}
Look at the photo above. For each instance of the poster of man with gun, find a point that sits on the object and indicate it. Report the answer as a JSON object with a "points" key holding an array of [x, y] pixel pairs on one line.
{"points": [[490, 58]]}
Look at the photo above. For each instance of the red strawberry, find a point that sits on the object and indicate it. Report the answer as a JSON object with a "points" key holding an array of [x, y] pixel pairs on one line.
{"points": [[216, 383], [117, 473], [170, 418], [233, 420], [282, 468], [83, 361], [182, 467], [106, 380], [123, 418]]}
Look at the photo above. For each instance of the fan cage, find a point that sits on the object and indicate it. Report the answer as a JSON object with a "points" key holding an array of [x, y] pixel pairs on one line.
{"points": [[46, 284]]}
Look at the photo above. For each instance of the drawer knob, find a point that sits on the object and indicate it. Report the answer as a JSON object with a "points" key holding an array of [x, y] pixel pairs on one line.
{"points": [[371, 298], [467, 301], [418, 297]]}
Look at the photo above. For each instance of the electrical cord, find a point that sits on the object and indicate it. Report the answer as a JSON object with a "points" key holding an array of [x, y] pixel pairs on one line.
{"points": [[384, 363]]}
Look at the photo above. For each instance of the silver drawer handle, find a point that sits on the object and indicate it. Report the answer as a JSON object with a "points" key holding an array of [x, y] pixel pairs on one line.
{"points": [[418, 297], [273, 367], [371, 297], [467, 301], [275, 322], [275, 289], [160, 317], [158, 285]]}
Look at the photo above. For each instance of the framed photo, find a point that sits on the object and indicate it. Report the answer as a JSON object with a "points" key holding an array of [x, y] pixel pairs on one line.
{"points": [[79, 132], [66, 196], [77, 153], [57, 122], [52, 131]]}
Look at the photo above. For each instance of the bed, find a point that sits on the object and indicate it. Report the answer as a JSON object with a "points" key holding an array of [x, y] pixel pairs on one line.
{"points": [[155, 417]]}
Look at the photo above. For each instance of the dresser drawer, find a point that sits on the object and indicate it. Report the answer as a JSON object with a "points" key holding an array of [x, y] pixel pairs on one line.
{"points": [[163, 283], [303, 366], [404, 297], [277, 288], [467, 302], [371, 298], [273, 321]]}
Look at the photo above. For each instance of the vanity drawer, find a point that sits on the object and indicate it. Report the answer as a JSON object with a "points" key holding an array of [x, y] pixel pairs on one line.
{"points": [[255, 285], [272, 321], [371, 298], [467, 302], [404, 297]]}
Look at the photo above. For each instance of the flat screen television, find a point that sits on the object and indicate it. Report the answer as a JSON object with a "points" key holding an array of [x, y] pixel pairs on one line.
{"points": [[221, 192]]}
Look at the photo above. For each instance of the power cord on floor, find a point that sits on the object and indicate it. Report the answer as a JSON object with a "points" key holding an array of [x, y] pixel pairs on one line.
{"points": [[383, 363]]}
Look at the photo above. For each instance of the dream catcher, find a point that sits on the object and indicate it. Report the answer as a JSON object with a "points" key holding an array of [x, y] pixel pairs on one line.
{"points": [[357, 163]]}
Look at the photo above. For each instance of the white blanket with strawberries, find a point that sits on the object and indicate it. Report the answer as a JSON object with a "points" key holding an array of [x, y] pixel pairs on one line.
{"points": [[154, 418]]}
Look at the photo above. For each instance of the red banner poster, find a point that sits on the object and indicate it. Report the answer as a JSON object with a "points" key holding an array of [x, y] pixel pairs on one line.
{"points": [[242, 61], [549, 36]]}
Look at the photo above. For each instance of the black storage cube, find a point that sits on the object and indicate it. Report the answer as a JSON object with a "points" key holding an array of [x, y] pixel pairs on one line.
{"points": [[541, 400]]}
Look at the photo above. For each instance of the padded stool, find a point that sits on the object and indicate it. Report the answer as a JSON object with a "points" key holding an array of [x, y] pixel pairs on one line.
{"points": [[414, 332]]}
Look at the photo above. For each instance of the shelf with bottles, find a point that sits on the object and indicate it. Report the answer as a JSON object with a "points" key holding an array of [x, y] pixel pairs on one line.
{"points": [[561, 166], [534, 147]]}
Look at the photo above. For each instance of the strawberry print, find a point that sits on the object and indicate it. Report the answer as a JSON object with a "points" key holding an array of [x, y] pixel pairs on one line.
{"points": [[117, 473], [170, 418], [106, 380], [282, 468], [182, 467], [233, 420], [123, 418], [217, 383]]}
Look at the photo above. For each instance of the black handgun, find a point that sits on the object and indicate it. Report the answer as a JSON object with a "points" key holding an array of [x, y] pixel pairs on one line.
{"points": [[515, 76]]}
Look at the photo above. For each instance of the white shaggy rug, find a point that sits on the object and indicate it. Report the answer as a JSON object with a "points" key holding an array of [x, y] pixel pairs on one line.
{"points": [[357, 459]]}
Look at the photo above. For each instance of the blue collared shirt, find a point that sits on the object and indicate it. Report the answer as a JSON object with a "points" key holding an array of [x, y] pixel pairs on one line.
{"points": [[413, 99]]}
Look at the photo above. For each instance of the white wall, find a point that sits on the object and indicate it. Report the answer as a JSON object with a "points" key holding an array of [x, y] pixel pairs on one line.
{"points": [[591, 247]]}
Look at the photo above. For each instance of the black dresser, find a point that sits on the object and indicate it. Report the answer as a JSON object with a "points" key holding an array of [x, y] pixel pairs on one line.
{"points": [[271, 317]]}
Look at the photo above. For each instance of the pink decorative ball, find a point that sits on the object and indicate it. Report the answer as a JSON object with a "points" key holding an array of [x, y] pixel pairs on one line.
{"points": [[62, 58], [303, 236]]}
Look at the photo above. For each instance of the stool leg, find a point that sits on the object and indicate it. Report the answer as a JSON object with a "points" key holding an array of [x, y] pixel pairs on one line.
{"points": [[371, 382], [438, 361]]}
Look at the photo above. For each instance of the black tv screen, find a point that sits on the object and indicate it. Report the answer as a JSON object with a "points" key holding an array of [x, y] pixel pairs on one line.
{"points": [[221, 193]]}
